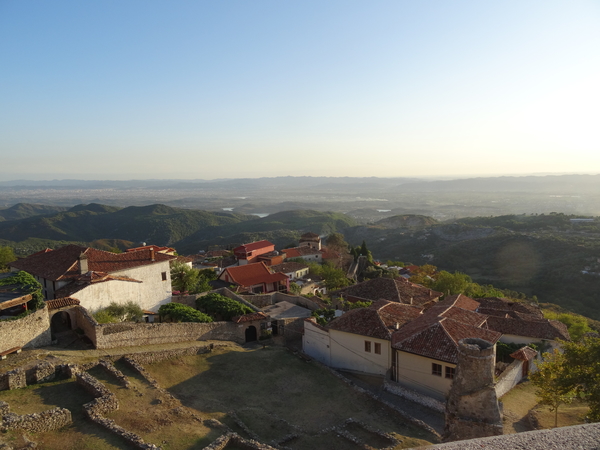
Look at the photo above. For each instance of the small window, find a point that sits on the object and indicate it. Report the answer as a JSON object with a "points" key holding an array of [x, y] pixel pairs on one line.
{"points": [[436, 369], [377, 348], [368, 346], [164, 276], [450, 372]]}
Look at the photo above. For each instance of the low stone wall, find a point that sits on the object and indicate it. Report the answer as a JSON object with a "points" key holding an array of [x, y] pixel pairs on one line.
{"points": [[42, 372], [86, 322], [135, 334], [13, 379], [153, 357], [110, 368], [235, 440], [187, 300], [508, 379], [28, 332], [409, 394], [49, 420], [104, 403]]}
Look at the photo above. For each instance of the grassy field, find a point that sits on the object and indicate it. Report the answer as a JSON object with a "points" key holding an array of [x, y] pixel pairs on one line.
{"points": [[521, 401], [267, 394], [275, 394]]}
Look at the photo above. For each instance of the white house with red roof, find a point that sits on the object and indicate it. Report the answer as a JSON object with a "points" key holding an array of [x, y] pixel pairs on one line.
{"points": [[255, 278], [359, 340], [96, 277]]}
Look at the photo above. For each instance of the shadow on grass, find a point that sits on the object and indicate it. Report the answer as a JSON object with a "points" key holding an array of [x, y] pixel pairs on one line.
{"points": [[282, 386]]}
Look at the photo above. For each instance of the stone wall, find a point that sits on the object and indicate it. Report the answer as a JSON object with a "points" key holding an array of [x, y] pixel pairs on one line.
{"points": [[42, 372], [508, 379], [30, 331], [49, 420], [14, 379], [134, 334], [86, 322], [414, 396]]}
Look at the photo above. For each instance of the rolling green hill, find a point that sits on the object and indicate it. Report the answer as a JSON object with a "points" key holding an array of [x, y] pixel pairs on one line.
{"points": [[24, 210]]}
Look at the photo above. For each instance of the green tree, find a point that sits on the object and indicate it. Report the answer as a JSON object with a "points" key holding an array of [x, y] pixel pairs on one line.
{"points": [[26, 282], [336, 242], [577, 325], [549, 380], [582, 372], [295, 288], [186, 279], [219, 306], [323, 316], [176, 312], [452, 283], [6, 256]]}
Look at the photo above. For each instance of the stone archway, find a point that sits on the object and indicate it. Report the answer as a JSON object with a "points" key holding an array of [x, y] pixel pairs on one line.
{"points": [[251, 334], [61, 321]]}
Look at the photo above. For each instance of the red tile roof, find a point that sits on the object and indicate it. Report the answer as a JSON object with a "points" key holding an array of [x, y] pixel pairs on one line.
{"points": [[87, 279], [436, 333], [496, 306], [61, 303], [524, 354], [155, 247], [395, 290], [63, 263], [461, 301], [288, 267], [378, 320], [253, 246], [250, 317], [298, 252], [538, 329], [252, 274]]}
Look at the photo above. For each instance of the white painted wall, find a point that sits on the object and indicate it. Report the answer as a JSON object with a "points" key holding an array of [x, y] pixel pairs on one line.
{"points": [[150, 294], [414, 372], [348, 352], [315, 343]]}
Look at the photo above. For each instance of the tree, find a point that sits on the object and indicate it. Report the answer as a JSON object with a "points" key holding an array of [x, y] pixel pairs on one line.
{"points": [[219, 306], [336, 242], [176, 312], [582, 372], [452, 283], [186, 279], [577, 325], [549, 380], [6, 256], [295, 288]]}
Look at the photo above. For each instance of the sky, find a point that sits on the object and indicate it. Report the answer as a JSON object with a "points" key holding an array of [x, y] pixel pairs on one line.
{"points": [[235, 89]]}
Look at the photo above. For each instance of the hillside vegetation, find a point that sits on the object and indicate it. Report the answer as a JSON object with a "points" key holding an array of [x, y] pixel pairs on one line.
{"points": [[541, 255]]}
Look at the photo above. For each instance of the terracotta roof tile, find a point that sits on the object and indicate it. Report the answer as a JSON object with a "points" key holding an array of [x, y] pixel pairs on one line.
{"points": [[288, 267], [496, 306], [461, 301], [252, 274], [63, 263], [253, 246], [436, 333], [61, 303], [395, 290], [524, 354], [539, 329], [378, 321], [250, 317]]}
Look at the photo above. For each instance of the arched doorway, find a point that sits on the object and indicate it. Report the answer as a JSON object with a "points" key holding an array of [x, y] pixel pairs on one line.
{"points": [[61, 321], [251, 335]]}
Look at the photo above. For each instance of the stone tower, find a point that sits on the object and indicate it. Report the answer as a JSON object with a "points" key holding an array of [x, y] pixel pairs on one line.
{"points": [[472, 409]]}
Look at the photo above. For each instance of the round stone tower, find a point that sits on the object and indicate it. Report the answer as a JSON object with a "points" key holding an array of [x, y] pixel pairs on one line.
{"points": [[472, 409]]}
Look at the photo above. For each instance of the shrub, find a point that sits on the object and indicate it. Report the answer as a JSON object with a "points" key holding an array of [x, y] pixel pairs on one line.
{"points": [[176, 312], [115, 312], [218, 305]]}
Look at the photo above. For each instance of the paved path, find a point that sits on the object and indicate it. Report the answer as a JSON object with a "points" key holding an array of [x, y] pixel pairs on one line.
{"points": [[375, 385]]}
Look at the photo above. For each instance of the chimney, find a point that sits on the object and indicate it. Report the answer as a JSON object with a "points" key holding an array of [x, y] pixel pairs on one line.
{"points": [[397, 326], [151, 253], [83, 264]]}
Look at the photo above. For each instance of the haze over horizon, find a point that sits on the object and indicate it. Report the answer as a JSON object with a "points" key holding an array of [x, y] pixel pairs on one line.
{"points": [[198, 90]]}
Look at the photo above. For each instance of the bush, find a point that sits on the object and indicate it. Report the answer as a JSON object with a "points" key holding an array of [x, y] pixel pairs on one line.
{"points": [[176, 312], [115, 312], [218, 305]]}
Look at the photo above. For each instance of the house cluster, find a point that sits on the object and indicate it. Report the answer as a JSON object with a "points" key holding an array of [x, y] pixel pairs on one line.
{"points": [[259, 268], [411, 336]]}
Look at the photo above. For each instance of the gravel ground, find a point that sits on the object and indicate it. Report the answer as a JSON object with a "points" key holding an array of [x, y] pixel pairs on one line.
{"points": [[580, 437]]}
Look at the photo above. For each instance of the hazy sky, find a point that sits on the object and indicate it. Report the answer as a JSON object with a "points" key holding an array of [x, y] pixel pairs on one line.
{"points": [[215, 89]]}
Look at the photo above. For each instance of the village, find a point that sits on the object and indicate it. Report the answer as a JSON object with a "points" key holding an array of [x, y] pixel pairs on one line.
{"points": [[435, 351]]}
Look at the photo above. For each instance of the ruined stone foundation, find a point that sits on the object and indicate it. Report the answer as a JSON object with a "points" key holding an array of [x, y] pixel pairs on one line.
{"points": [[472, 409]]}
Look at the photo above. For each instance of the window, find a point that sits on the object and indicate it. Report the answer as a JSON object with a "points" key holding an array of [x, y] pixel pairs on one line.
{"points": [[436, 369], [368, 346], [164, 276], [450, 372], [377, 348]]}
